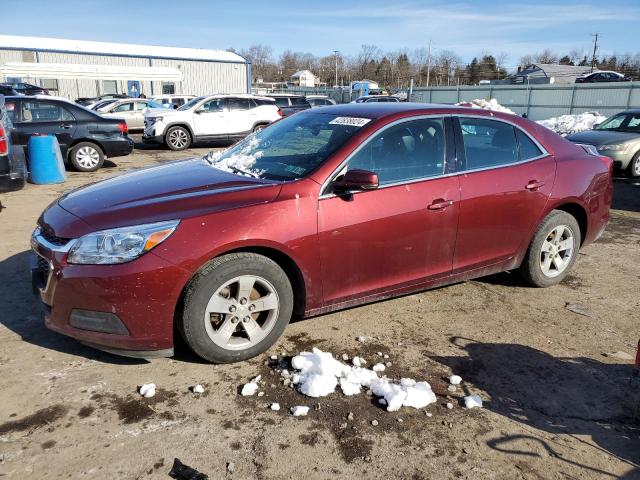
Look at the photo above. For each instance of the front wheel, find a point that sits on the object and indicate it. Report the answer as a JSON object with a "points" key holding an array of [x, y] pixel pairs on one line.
{"points": [[236, 307], [634, 166], [178, 138], [553, 250]]}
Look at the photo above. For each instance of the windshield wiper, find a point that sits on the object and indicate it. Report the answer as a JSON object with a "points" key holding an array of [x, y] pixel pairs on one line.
{"points": [[244, 172]]}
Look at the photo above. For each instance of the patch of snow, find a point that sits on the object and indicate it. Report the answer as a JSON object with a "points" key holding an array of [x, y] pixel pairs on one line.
{"points": [[249, 389], [567, 124], [148, 390], [378, 367], [241, 161], [299, 411], [484, 104], [358, 361], [320, 373], [455, 380], [361, 339], [198, 389], [473, 401], [275, 407]]}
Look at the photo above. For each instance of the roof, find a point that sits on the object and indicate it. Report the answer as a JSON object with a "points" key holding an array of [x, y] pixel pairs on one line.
{"points": [[15, 42], [299, 73], [554, 70]]}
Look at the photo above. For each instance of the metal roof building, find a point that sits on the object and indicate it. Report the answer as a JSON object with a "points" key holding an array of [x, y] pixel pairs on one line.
{"points": [[75, 68]]}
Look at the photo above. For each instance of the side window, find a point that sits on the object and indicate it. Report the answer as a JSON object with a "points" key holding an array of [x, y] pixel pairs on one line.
{"points": [[282, 101], [488, 143], [298, 101], [11, 111], [408, 151], [215, 105], [125, 107], [178, 101], [526, 147], [238, 104], [67, 116], [41, 112]]}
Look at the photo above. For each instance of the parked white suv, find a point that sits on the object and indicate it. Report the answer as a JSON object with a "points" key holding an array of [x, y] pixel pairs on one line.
{"points": [[172, 101], [215, 117]]}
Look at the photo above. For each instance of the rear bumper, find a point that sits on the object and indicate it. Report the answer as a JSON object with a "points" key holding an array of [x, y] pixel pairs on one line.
{"points": [[152, 139], [140, 295], [118, 148]]}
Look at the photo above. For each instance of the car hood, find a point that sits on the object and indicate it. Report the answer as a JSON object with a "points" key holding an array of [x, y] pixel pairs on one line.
{"points": [[175, 190], [601, 137], [161, 112]]}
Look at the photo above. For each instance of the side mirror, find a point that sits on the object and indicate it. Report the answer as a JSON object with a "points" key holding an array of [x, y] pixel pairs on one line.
{"points": [[356, 180], [200, 110]]}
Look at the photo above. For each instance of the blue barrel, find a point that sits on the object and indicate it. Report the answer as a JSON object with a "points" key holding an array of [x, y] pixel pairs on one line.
{"points": [[45, 160]]}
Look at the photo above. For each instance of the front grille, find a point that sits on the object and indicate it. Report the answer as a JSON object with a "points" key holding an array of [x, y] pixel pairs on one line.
{"points": [[48, 235], [43, 265]]}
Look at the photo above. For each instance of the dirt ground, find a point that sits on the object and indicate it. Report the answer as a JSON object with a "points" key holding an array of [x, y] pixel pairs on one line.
{"points": [[554, 405]]}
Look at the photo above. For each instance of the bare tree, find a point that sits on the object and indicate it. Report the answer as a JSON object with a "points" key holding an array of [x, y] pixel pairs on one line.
{"points": [[260, 56]]}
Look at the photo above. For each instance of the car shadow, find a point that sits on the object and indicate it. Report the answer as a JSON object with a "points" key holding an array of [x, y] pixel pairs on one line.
{"points": [[626, 193], [20, 312], [570, 396]]}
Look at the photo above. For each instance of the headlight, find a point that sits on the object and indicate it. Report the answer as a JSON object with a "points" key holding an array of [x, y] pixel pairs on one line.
{"points": [[120, 245], [613, 148], [155, 119]]}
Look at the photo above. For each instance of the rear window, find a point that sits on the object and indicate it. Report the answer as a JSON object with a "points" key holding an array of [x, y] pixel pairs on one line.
{"points": [[299, 102], [282, 101]]}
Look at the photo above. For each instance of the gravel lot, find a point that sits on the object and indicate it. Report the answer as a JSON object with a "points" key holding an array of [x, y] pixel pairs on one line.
{"points": [[555, 406]]}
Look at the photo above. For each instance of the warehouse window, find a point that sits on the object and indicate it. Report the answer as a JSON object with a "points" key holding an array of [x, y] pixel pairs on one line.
{"points": [[168, 88], [50, 84], [109, 86]]}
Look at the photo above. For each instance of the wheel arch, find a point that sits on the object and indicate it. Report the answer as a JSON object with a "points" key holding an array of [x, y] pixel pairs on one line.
{"points": [[179, 124], [577, 211], [84, 140]]}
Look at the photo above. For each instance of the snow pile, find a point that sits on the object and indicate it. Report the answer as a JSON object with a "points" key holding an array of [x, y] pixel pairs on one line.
{"points": [[566, 124], [198, 389], [473, 401], [249, 389], [319, 374], [148, 390], [299, 411], [241, 161], [486, 105], [275, 407], [455, 380]]}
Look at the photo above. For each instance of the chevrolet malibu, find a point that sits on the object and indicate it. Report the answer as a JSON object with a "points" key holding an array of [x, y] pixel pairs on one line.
{"points": [[324, 210]]}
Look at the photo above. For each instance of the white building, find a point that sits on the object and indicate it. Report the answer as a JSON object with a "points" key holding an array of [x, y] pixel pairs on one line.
{"points": [[74, 68], [304, 78]]}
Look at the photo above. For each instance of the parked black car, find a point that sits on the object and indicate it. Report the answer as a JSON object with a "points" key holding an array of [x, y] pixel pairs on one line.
{"points": [[108, 96], [290, 103], [7, 89], [27, 88], [598, 77], [12, 162], [85, 137]]}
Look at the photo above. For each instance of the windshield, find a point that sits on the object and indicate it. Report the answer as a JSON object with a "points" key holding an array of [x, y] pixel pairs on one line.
{"points": [[190, 103], [623, 122], [289, 149]]}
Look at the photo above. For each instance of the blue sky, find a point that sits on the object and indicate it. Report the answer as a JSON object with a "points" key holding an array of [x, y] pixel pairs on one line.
{"points": [[468, 27]]}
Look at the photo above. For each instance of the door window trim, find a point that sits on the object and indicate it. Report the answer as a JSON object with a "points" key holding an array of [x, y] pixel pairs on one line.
{"points": [[449, 156], [461, 151]]}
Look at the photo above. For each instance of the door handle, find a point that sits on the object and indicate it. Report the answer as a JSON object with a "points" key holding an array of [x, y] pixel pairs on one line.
{"points": [[66, 125], [440, 204], [534, 185]]}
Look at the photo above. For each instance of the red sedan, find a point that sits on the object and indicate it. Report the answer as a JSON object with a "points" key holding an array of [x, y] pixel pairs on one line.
{"points": [[324, 210]]}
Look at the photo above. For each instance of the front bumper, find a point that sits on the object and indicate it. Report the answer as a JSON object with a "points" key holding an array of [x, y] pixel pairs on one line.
{"points": [[620, 160], [141, 294]]}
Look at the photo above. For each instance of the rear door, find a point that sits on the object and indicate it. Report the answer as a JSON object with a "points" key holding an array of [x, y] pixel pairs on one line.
{"points": [[400, 234], [126, 111], [241, 116], [505, 185], [35, 116]]}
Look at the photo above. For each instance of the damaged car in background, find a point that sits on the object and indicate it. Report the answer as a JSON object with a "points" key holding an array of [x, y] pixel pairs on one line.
{"points": [[324, 210]]}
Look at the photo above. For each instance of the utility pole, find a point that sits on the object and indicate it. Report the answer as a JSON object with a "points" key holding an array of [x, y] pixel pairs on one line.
{"points": [[335, 53], [595, 49], [429, 64]]}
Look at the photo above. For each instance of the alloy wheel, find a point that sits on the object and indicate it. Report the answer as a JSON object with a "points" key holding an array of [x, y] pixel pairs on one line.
{"points": [[557, 251], [242, 312], [178, 138], [88, 157]]}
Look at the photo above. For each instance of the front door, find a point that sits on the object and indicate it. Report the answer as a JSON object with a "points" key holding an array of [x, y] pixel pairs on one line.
{"points": [[46, 118], [504, 190], [404, 232], [210, 118]]}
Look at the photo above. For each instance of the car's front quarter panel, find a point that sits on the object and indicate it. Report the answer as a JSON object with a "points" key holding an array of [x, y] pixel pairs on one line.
{"points": [[287, 225]]}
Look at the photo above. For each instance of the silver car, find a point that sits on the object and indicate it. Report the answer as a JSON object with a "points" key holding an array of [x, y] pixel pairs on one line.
{"points": [[618, 137], [132, 110]]}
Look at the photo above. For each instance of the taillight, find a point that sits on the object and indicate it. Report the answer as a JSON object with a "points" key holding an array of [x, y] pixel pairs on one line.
{"points": [[4, 143], [123, 127], [280, 112]]}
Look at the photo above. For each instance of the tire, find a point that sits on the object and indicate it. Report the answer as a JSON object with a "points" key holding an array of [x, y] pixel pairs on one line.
{"points": [[259, 127], [177, 138], [86, 157], [550, 236], [19, 167], [217, 288], [634, 166]]}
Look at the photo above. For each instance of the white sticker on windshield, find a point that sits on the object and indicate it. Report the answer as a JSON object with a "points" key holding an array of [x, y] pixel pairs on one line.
{"points": [[353, 121]]}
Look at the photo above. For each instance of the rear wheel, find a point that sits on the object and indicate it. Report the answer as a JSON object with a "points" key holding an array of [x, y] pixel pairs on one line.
{"points": [[178, 138], [259, 127], [553, 250], [86, 157], [236, 307], [634, 166]]}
